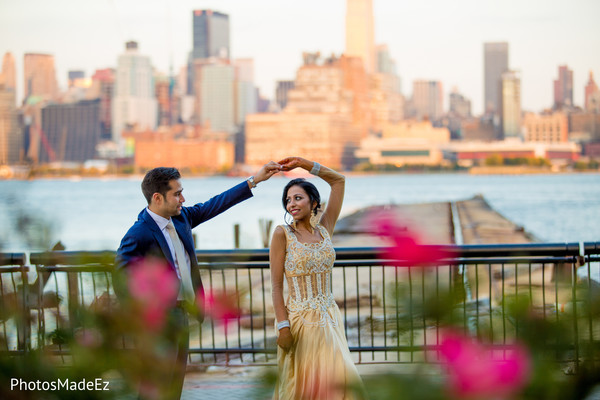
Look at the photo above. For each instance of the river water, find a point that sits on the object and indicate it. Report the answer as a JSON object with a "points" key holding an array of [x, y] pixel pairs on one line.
{"points": [[93, 214]]}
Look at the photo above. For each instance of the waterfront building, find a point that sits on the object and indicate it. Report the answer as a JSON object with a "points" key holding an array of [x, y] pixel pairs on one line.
{"points": [[404, 143], [39, 76], [510, 107], [183, 147], [495, 63], [427, 100], [360, 32], [592, 95], [327, 137], [547, 128], [281, 93], [11, 134], [563, 88], [134, 103], [70, 131], [475, 153], [8, 73]]}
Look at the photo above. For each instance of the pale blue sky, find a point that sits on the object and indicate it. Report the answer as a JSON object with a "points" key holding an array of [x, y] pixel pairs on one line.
{"points": [[429, 39]]}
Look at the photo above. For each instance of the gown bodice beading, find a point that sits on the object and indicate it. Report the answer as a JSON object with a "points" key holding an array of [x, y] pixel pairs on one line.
{"points": [[308, 269]]}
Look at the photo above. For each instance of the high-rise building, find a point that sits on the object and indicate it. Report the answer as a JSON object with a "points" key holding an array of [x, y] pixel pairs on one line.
{"points": [[8, 74], [360, 32], [546, 128], [70, 132], [427, 99], [39, 76], [134, 102], [563, 88], [386, 65], [281, 93], [214, 88], [167, 100], [75, 76], [510, 107], [460, 106], [11, 136], [210, 34], [210, 39], [103, 85], [592, 94], [495, 63], [245, 93]]}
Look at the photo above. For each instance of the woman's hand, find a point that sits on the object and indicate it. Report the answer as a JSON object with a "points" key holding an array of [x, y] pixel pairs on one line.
{"points": [[285, 340], [289, 163]]}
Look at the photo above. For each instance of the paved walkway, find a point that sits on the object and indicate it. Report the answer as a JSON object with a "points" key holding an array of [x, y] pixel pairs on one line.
{"points": [[226, 383], [247, 383]]}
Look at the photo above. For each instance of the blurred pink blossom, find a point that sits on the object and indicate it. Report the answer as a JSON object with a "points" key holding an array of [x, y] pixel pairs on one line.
{"points": [[474, 373], [406, 248], [154, 285], [221, 307], [89, 337]]}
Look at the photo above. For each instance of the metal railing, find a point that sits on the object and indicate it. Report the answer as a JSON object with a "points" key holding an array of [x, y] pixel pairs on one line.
{"points": [[391, 314]]}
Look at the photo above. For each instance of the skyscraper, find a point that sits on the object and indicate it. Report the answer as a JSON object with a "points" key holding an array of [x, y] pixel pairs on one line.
{"points": [[210, 34], [134, 102], [592, 94], [563, 88], [8, 76], [495, 63], [427, 99], [210, 39], [360, 36], [71, 131], [103, 85], [510, 109], [215, 96], [281, 93], [245, 91], [40, 76], [11, 137]]}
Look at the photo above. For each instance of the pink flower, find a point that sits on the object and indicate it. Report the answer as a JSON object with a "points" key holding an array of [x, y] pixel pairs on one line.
{"points": [[221, 307], [406, 248], [90, 337], [474, 373], [154, 286]]}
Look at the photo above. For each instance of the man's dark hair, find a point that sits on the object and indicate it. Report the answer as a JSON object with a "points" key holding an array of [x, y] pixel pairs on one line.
{"points": [[157, 181]]}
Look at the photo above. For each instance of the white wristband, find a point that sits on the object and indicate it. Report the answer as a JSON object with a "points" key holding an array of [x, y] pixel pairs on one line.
{"points": [[316, 168], [283, 324]]}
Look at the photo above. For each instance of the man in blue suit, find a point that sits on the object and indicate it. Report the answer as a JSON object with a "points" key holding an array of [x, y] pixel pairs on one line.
{"points": [[153, 235]]}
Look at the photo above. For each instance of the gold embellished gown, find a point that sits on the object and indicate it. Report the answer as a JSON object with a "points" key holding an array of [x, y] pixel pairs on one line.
{"points": [[319, 365]]}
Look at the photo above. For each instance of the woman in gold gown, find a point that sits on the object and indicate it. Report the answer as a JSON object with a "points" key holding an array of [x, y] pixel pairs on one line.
{"points": [[313, 358]]}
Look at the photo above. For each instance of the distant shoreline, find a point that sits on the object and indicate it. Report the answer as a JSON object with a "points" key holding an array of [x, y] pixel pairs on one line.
{"points": [[495, 170]]}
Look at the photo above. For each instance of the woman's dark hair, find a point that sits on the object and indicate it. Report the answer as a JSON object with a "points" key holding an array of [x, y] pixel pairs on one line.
{"points": [[309, 188]]}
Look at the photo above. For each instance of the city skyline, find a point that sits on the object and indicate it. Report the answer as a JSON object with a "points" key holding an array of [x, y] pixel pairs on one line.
{"points": [[429, 40]]}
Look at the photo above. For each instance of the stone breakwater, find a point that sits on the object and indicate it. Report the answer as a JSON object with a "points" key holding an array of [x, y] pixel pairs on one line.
{"points": [[471, 221]]}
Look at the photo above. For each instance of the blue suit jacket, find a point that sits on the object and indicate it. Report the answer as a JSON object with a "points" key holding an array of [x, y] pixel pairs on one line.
{"points": [[145, 238]]}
